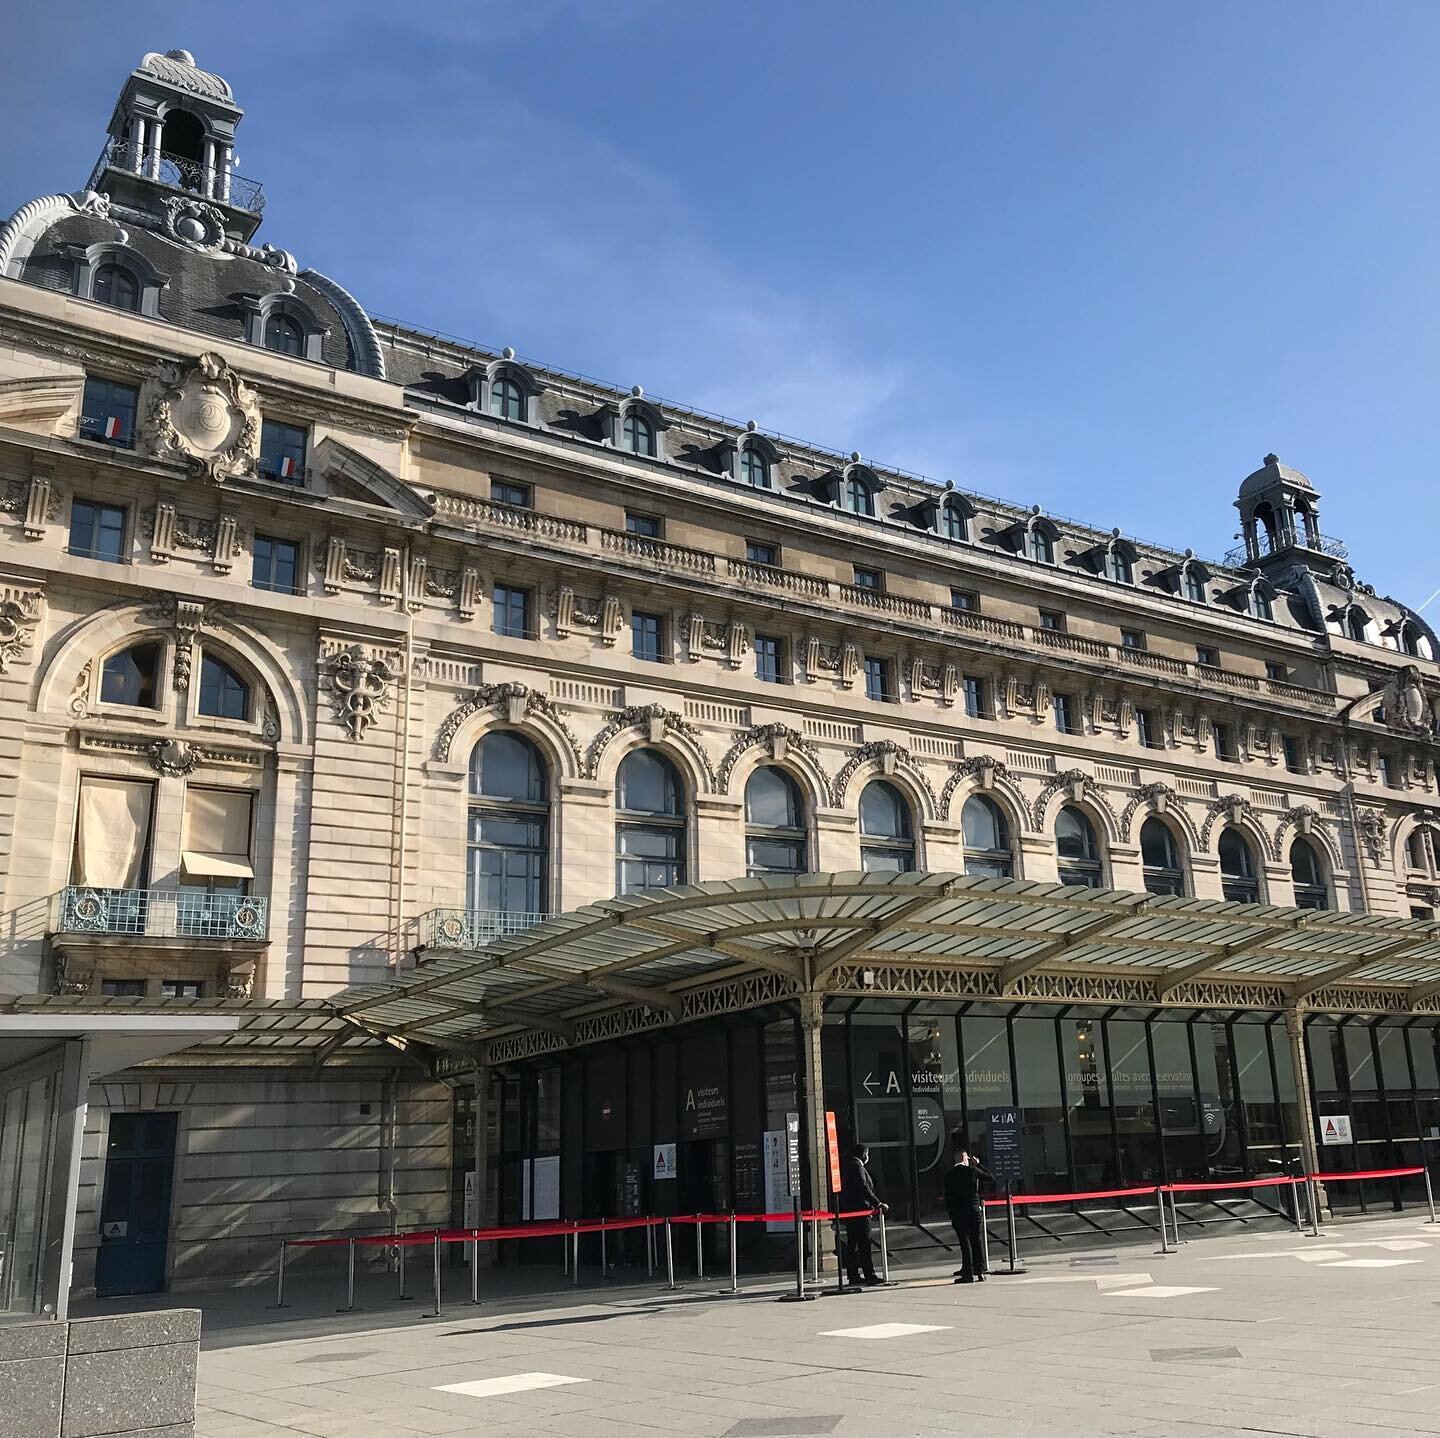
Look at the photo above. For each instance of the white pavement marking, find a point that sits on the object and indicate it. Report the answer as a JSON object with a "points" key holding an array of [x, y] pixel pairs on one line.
{"points": [[1156, 1290], [1103, 1280], [1371, 1263], [513, 1383], [1401, 1245], [885, 1330]]}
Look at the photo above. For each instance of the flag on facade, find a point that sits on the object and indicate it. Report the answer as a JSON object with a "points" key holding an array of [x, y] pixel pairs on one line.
{"points": [[288, 468], [112, 426]]}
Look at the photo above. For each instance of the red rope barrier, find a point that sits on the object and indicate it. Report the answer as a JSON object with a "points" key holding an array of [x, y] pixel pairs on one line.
{"points": [[1366, 1173], [1241, 1183], [1034, 1198]]}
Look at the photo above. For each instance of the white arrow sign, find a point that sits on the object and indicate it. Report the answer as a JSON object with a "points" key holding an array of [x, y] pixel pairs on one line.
{"points": [[869, 1085]]}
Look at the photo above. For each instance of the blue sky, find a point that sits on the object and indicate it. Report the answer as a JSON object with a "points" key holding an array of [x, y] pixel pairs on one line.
{"points": [[1095, 256]]}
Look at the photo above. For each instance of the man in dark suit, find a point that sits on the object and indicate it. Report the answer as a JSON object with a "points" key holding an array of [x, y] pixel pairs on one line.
{"points": [[858, 1192], [964, 1204]]}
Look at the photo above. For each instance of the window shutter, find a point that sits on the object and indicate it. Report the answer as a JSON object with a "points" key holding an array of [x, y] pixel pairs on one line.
{"points": [[216, 842], [113, 834]]}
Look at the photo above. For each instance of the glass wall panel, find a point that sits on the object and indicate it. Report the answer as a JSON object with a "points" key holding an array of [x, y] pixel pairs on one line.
{"points": [[1042, 1106], [1422, 1058], [1359, 1058], [1322, 1041], [1290, 1112], [1219, 1104], [936, 1106], [985, 1045], [1265, 1139], [1133, 1098], [1092, 1143], [1181, 1122]]}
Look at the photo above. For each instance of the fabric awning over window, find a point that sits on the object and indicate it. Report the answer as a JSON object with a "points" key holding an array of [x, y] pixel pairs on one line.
{"points": [[113, 833], [216, 841]]}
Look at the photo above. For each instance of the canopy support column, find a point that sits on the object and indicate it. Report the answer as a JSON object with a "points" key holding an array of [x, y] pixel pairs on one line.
{"points": [[1309, 1149], [812, 1016], [480, 1173]]}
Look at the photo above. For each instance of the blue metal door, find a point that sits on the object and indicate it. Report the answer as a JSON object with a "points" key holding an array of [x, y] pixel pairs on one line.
{"points": [[135, 1211]]}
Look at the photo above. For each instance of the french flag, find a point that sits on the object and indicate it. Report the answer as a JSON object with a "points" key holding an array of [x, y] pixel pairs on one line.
{"points": [[112, 427], [288, 468]]}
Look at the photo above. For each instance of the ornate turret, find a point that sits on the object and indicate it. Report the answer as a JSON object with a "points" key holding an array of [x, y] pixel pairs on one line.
{"points": [[1280, 523], [173, 133]]}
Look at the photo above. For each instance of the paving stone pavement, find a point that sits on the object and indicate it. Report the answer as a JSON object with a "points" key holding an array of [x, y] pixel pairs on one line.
{"points": [[1232, 1335]]}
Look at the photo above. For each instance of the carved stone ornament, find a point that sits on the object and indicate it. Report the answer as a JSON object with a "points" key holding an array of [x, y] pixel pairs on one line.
{"points": [[194, 224], [517, 702], [172, 757], [1372, 833], [205, 416], [360, 685], [19, 615], [889, 757], [985, 769], [657, 722]]}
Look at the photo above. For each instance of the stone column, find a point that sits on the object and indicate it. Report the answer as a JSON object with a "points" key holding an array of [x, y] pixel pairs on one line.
{"points": [[481, 1170], [157, 139], [812, 1014], [1309, 1148]]}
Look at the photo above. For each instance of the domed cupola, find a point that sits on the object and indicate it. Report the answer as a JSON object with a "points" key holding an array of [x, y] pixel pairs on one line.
{"points": [[1280, 522]]}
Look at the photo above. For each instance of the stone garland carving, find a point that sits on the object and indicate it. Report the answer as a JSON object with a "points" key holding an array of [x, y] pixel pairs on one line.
{"points": [[776, 737], [79, 701], [659, 720], [1076, 778], [20, 611], [1160, 798], [891, 756], [984, 767], [1302, 817], [172, 756], [206, 416], [361, 566], [361, 681], [36, 502], [1228, 809], [521, 700], [442, 583], [70, 981]]}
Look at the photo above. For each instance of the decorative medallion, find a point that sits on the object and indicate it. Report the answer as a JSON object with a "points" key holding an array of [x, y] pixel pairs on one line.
{"points": [[172, 757], [205, 416], [194, 224]]}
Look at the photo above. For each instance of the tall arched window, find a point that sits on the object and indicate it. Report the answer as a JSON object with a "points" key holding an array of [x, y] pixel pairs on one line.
{"points": [[1160, 858], [1194, 585], [1118, 566], [1077, 850], [858, 496], [1407, 639], [1308, 876], [754, 467], [132, 677], [639, 434], [223, 693], [775, 835], [988, 854], [1260, 605], [1356, 623], [1418, 845], [1239, 878], [649, 824], [1038, 546], [116, 286], [507, 399], [953, 524], [284, 335], [507, 858], [887, 835]]}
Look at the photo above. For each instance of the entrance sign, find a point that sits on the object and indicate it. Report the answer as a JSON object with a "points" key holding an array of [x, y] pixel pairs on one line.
{"points": [[706, 1112], [664, 1160], [1335, 1128], [777, 1194], [832, 1143], [1007, 1154], [792, 1155]]}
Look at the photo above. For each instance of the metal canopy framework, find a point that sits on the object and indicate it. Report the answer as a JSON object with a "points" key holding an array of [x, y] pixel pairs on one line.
{"points": [[652, 959]]}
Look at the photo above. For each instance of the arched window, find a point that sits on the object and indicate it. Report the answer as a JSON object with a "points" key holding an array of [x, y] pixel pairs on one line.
{"points": [[284, 335], [1260, 606], [754, 467], [1118, 566], [1077, 850], [507, 400], [223, 693], [1160, 858], [649, 824], [132, 677], [115, 285], [1356, 623], [953, 524], [887, 836], [507, 856], [639, 434], [1239, 878], [775, 838], [1408, 639], [1194, 585], [1417, 855], [1306, 873], [1038, 546], [859, 499], [988, 854]]}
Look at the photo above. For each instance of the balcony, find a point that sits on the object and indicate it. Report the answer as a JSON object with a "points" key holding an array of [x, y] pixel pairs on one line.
{"points": [[464, 929], [213, 182], [191, 914]]}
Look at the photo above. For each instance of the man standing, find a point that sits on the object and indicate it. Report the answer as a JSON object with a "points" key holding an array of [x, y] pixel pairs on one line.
{"points": [[967, 1212], [859, 1193]]}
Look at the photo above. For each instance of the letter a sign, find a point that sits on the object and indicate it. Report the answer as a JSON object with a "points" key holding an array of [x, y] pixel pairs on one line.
{"points": [[1335, 1128]]}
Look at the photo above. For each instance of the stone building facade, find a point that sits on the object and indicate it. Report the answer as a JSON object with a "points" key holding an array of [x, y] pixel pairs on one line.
{"points": [[272, 572]]}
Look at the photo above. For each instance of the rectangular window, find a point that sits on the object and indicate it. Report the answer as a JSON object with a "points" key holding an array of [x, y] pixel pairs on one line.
{"points": [[282, 452], [512, 612], [1277, 671], [1207, 656], [276, 565], [647, 635], [769, 654], [1147, 726], [1294, 762], [1387, 772], [977, 698], [182, 989], [965, 599], [1224, 743], [1064, 707], [112, 834], [107, 413], [868, 578], [1132, 639], [122, 988], [1053, 620], [97, 531], [506, 491], [877, 680], [647, 526], [757, 552]]}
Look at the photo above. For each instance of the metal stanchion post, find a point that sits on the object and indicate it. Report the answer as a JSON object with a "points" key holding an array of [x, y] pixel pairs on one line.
{"points": [[800, 1294], [669, 1256], [604, 1258], [984, 1240], [280, 1276], [815, 1250], [884, 1249], [474, 1270], [1175, 1220], [1295, 1205], [734, 1271], [1312, 1200], [1164, 1226], [575, 1254], [699, 1248], [1429, 1194], [404, 1249], [650, 1250], [349, 1279], [436, 1272], [1012, 1237]]}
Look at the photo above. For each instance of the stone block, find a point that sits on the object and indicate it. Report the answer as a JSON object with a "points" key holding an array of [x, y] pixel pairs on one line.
{"points": [[31, 1394], [130, 1390], [31, 1340]]}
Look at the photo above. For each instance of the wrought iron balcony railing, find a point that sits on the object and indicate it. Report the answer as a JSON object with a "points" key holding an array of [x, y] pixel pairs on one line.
{"points": [[214, 182], [163, 914], [471, 928]]}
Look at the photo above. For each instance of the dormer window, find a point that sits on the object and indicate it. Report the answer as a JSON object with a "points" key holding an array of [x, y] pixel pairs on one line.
{"points": [[954, 523], [1118, 565], [1192, 584], [507, 399], [859, 497], [754, 467], [1039, 546], [1259, 604], [284, 335], [116, 286], [1357, 622], [639, 435], [283, 325]]}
